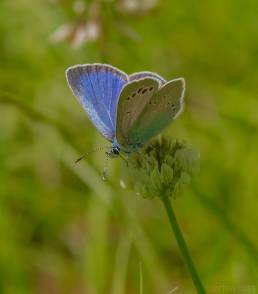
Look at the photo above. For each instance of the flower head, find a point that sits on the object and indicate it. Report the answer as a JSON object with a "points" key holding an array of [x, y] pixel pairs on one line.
{"points": [[162, 168]]}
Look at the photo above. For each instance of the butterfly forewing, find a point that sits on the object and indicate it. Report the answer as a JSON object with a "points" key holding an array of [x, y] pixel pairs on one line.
{"points": [[164, 106], [132, 101], [97, 87]]}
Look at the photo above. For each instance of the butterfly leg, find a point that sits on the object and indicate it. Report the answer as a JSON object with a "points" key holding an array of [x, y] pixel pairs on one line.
{"points": [[125, 158]]}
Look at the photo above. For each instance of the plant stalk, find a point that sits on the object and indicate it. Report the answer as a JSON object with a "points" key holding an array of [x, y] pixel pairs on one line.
{"points": [[182, 245]]}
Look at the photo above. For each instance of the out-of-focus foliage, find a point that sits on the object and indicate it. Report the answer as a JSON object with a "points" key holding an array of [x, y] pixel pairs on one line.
{"points": [[64, 230]]}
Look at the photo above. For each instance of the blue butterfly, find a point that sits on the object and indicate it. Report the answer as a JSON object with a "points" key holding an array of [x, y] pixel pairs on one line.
{"points": [[128, 110]]}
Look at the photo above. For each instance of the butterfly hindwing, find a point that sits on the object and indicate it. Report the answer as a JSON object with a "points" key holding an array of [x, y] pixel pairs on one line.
{"points": [[97, 87], [163, 107], [132, 101]]}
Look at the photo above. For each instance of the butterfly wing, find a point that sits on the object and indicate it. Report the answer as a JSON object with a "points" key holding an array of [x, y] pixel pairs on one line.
{"points": [[132, 100], [147, 74], [164, 106], [97, 87]]}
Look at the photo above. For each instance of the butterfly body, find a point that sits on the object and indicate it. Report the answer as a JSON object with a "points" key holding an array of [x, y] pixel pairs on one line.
{"points": [[116, 148], [128, 110]]}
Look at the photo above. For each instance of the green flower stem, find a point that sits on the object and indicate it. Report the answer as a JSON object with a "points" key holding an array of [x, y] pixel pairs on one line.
{"points": [[182, 245]]}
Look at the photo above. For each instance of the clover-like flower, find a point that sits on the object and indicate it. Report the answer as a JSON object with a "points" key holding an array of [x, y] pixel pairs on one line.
{"points": [[162, 168]]}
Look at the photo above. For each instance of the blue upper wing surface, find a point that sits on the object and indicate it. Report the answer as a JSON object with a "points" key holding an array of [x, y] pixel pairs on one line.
{"points": [[97, 87]]}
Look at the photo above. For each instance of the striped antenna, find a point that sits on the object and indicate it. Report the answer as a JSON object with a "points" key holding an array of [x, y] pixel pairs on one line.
{"points": [[91, 151]]}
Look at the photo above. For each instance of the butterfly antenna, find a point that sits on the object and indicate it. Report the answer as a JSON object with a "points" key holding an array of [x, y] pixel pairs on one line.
{"points": [[91, 151], [105, 169]]}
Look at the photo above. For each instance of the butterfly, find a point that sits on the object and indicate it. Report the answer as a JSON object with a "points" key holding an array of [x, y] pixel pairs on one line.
{"points": [[128, 110]]}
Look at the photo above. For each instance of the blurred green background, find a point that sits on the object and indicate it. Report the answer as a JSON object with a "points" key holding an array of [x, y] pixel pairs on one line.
{"points": [[64, 230]]}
